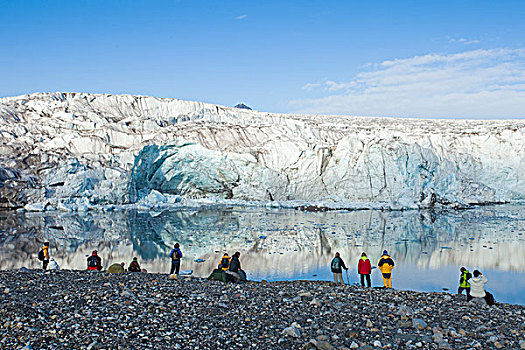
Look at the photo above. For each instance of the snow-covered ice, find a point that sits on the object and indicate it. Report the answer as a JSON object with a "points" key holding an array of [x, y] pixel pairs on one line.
{"points": [[77, 151]]}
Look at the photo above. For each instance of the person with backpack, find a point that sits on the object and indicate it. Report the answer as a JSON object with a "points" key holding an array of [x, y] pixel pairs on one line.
{"points": [[386, 264], [43, 255], [94, 262], [364, 268], [337, 265], [463, 281], [225, 262], [477, 288], [134, 266], [175, 255]]}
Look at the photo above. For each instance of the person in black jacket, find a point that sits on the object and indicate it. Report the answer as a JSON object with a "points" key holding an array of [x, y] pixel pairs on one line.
{"points": [[337, 265], [94, 262], [134, 266], [235, 268]]}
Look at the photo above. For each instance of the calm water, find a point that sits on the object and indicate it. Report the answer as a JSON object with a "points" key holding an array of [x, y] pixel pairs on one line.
{"points": [[428, 247]]}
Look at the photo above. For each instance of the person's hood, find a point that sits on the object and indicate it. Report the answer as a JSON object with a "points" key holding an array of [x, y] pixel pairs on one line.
{"points": [[475, 279]]}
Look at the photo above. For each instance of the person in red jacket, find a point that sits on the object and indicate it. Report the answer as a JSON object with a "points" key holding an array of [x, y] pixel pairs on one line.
{"points": [[94, 262], [364, 268]]}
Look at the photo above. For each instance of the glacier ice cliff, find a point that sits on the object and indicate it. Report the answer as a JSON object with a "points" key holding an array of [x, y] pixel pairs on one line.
{"points": [[77, 151]]}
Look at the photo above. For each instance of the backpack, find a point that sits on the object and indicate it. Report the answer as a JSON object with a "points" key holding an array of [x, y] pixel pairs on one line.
{"points": [[336, 264], [92, 262], [225, 263], [41, 255], [489, 298], [175, 255], [469, 276]]}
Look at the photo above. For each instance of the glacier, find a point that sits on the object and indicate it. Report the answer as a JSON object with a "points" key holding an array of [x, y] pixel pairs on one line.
{"points": [[80, 151]]}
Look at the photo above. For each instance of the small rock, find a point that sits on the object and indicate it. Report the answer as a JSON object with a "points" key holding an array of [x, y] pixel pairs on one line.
{"points": [[405, 311], [292, 332], [444, 345], [315, 302], [377, 344], [419, 323], [454, 334], [354, 345], [351, 334], [437, 337], [322, 345], [369, 324]]}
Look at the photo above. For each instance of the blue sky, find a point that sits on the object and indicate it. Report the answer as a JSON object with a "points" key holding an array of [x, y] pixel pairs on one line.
{"points": [[385, 58]]}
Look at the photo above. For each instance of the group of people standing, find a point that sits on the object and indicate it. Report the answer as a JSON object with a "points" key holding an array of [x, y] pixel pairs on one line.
{"points": [[364, 268], [473, 285]]}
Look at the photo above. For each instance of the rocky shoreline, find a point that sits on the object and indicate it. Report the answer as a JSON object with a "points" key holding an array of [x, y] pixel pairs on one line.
{"points": [[83, 310]]}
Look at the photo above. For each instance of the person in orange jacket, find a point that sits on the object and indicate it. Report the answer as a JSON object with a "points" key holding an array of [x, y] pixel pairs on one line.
{"points": [[386, 264], [45, 255], [364, 268]]}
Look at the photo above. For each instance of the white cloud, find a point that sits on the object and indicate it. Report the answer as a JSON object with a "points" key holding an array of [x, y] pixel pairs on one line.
{"points": [[472, 84], [463, 41], [241, 17], [311, 86]]}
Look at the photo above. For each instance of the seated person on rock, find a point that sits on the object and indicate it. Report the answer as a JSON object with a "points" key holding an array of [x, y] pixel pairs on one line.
{"points": [[134, 266], [477, 289], [225, 262], [235, 268], [94, 262]]}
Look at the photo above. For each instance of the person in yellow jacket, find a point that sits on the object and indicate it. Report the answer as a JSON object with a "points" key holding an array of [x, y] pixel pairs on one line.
{"points": [[386, 264], [463, 281], [225, 262], [45, 261]]}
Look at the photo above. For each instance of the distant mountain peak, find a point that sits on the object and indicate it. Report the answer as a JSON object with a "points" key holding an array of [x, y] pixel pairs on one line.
{"points": [[242, 106]]}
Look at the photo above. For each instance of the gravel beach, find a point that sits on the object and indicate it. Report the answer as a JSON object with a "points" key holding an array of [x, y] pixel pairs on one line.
{"points": [[95, 310]]}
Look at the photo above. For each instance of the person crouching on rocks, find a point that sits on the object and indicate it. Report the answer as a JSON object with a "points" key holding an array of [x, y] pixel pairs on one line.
{"points": [[386, 264], [235, 268], [175, 255], [477, 288], [463, 281], [94, 262], [364, 268], [225, 262], [337, 265], [134, 266]]}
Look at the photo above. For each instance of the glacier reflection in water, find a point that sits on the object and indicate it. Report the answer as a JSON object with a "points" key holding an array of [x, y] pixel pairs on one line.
{"points": [[427, 246]]}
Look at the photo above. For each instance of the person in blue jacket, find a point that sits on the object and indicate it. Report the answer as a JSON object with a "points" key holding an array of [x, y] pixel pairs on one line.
{"points": [[175, 255]]}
